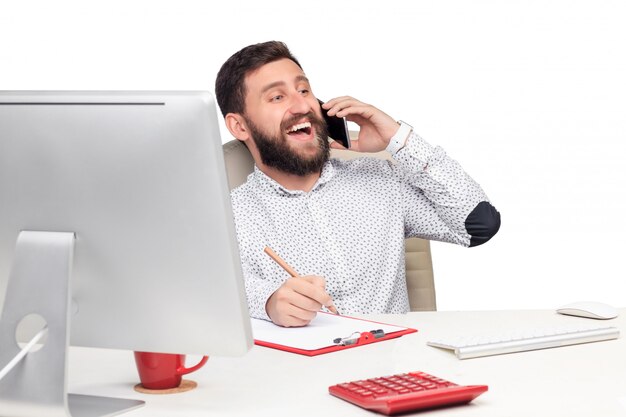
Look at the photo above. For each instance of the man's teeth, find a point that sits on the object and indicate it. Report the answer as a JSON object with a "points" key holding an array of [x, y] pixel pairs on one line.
{"points": [[297, 127]]}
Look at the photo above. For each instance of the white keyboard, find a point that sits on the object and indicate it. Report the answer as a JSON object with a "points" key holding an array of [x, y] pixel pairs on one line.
{"points": [[487, 345]]}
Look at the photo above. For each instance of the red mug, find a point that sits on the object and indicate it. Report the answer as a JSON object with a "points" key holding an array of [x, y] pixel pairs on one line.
{"points": [[163, 370]]}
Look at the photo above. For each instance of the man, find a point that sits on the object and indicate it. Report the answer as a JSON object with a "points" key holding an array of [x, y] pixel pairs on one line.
{"points": [[340, 224]]}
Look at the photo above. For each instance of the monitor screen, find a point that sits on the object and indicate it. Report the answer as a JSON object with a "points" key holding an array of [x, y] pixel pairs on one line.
{"points": [[139, 179]]}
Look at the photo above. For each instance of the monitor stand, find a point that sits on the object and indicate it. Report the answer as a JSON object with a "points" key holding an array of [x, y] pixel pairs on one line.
{"points": [[39, 283]]}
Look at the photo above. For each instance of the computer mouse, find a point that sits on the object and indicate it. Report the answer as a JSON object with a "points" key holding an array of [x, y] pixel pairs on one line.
{"points": [[589, 309]]}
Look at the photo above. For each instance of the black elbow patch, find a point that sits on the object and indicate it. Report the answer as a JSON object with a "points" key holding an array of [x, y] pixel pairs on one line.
{"points": [[482, 223]]}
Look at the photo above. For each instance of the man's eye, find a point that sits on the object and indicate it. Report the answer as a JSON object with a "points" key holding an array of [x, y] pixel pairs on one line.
{"points": [[304, 91], [277, 97]]}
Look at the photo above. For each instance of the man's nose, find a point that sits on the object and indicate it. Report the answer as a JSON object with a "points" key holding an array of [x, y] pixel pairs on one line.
{"points": [[299, 105]]}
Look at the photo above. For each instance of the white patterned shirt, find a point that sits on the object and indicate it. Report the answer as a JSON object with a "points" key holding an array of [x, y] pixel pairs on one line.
{"points": [[350, 227]]}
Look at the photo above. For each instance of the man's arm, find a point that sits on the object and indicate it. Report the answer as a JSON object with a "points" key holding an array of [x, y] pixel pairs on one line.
{"points": [[441, 201], [293, 303], [452, 206]]}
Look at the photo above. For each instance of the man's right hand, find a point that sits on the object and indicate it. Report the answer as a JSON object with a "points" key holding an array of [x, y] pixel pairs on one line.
{"points": [[297, 301]]}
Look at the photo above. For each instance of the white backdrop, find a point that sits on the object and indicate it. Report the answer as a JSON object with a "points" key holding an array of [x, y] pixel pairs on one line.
{"points": [[529, 96]]}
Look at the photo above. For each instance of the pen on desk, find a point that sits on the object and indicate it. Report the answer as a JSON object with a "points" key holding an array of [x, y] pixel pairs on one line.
{"points": [[280, 261], [354, 337]]}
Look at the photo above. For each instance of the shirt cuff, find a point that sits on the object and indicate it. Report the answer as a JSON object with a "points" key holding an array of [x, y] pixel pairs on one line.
{"points": [[398, 140], [257, 299]]}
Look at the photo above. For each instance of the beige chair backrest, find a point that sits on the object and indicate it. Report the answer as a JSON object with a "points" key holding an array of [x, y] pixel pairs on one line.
{"points": [[419, 266]]}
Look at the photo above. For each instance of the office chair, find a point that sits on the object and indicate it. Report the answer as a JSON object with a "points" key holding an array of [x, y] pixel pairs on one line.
{"points": [[418, 260]]}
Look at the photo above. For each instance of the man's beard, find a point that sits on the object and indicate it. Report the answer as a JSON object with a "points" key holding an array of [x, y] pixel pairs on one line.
{"points": [[276, 152]]}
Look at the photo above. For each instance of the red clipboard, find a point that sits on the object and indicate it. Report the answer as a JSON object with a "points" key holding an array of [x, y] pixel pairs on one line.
{"points": [[365, 337]]}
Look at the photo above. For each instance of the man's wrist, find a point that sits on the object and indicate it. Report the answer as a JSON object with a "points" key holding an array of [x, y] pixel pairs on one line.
{"points": [[400, 138]]}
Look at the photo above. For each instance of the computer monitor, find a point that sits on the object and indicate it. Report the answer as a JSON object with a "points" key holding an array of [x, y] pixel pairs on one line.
{"points": [[133, 187]]}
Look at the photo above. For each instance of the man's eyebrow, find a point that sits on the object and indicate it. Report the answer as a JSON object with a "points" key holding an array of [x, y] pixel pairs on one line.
{"points": [[275, 84], [302, 78]]}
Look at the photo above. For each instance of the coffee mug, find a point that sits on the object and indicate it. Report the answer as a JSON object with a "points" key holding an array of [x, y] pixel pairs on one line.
{"points": [[163, 370]]}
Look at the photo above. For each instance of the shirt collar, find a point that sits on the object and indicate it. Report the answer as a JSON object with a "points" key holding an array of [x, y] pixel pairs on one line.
{"points": [[268, 184]]}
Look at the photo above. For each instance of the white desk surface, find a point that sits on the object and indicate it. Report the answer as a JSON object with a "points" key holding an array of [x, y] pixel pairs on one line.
{"points": [[581, 380]]}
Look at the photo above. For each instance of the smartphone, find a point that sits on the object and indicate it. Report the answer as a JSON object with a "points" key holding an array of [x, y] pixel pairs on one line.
{"points": [[337, 127]]}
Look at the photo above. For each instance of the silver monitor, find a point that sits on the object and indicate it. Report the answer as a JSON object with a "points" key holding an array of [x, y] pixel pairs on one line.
{"points": [[116, 228]]}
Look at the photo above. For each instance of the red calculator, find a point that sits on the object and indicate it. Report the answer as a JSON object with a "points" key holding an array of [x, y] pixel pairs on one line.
{"points": [[405, 392]]}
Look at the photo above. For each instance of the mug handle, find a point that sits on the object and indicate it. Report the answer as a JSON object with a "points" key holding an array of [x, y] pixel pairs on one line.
{"points": [[183, 371]]}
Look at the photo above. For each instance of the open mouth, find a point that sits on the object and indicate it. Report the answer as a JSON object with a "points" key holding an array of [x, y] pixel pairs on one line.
{"points": [[300, 131]]}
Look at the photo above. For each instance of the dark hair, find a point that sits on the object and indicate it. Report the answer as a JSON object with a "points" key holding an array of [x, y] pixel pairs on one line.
{"points": [[230, 88]]}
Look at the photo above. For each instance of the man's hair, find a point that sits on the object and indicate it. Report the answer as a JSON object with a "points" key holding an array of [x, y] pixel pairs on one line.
{"points": [[230, 87]]}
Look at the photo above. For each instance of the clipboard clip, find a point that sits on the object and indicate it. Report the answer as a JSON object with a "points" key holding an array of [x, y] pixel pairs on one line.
{"points": [[358, 338]]}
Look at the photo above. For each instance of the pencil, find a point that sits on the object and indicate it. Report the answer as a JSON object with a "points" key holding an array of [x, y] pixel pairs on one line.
{"points": [[280, 261]]}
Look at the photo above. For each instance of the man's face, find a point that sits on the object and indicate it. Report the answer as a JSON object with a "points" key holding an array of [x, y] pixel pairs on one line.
{"points": [[284, 119]]}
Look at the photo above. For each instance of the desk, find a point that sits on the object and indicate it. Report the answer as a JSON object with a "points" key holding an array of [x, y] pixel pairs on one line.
{"points": [[581, 380]]}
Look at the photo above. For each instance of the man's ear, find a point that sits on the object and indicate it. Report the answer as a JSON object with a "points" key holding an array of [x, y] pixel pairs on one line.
{"points": [[237, 126]]}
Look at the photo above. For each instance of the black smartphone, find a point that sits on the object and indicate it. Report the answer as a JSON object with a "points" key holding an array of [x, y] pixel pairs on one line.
{"points": [[337, 128]]}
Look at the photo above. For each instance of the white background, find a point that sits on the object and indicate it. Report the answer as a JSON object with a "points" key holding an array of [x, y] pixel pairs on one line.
{"points": [[530, 97]]}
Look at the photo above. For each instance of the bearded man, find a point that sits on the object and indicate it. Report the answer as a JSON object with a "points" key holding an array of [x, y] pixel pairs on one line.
{"points": [[340, 224]]}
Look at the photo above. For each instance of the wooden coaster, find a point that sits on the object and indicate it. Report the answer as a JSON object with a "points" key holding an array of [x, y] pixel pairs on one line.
{"points": [[185, 385]]}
